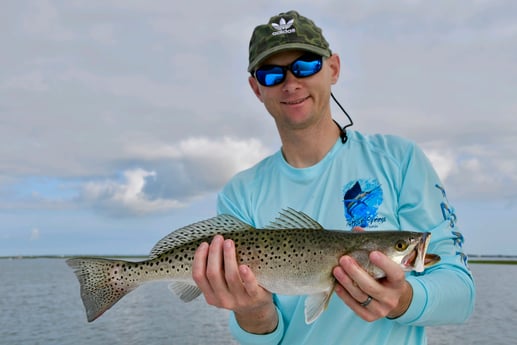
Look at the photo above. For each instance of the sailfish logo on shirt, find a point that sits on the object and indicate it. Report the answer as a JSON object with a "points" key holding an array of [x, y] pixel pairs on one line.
{"points": [[362, 199]]}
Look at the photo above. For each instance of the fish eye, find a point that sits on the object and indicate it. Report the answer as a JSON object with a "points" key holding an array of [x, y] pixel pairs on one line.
{"points": [[401, 245]]}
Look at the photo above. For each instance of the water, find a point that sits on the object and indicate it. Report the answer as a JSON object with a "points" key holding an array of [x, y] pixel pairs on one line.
{"points": [[493, 321], [40, 304]]}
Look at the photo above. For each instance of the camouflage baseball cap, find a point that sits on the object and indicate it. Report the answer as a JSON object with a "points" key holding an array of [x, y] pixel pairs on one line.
{"points": [[286, 31]]}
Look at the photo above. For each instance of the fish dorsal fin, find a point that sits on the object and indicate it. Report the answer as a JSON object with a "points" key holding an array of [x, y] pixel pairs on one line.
{"points": [[217, 225], [292, 219]]}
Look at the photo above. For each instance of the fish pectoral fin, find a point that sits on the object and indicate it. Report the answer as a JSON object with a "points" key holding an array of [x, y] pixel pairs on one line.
{"points": [[186, 292], [316, 304]]}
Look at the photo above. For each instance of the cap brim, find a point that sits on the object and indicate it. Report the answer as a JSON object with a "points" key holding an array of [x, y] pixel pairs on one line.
{"points": [[284, 47]]}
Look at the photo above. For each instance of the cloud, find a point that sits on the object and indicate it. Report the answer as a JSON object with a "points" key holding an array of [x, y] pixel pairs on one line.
{"points": [[476, 172], [125, 197], [225, 154], [180, 174]]}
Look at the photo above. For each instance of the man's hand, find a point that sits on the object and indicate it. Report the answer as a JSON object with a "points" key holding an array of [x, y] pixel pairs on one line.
{"points": [[390, 296], [227, 285]]}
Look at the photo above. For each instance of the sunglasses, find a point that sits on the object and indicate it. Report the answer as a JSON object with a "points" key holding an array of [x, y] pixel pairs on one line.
{"points": [[304, 66]]}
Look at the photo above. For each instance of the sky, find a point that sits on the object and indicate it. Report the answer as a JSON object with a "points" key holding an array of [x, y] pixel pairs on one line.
{"points": [[121, 120]]}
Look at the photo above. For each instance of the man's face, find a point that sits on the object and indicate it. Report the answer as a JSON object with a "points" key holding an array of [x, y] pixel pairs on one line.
{"points": [[297, 103]]}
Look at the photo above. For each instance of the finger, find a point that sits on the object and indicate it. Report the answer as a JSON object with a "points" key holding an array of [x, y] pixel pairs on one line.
{"points": [[199, 274], [366, 312], [347, 282], [357, 229], [199, 267], [231, 268], [215, 262], [358, 276], [394, 273], [249, 281]]}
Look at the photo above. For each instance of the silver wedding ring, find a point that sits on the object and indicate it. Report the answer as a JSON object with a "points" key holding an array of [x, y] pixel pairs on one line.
{"points": [[368, 300]]}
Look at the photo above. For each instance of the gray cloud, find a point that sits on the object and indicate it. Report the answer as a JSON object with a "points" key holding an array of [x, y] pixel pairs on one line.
{"points": [[180, 174]]}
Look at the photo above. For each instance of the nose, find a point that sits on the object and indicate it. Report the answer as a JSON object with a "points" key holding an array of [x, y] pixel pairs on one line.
{"points": [[291, 83]]}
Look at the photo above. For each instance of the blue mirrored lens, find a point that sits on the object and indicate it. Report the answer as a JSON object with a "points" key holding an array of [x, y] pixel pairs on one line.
{"points": [[270, 76], [302, 69]]}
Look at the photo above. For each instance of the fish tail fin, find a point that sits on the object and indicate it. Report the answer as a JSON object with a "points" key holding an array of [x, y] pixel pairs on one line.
{"points": [[101, 283]]}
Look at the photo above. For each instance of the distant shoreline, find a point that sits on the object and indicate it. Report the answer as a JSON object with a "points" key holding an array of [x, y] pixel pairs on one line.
{"points": [[17, 257], [474, 259], [493, 262]]}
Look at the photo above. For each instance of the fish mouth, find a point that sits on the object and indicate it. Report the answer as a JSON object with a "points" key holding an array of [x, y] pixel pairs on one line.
{"points": [[418, 259]]}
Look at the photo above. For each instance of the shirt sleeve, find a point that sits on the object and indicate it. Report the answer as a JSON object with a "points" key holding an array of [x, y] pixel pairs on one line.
{"points": [[445, 292], [246, 338]]}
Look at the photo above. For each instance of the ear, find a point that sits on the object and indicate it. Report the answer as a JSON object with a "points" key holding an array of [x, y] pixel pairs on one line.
{"points": [[335, 67], [255, 87]]}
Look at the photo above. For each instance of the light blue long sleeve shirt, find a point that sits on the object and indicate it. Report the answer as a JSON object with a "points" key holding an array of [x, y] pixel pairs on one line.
{"points": [[377, 182]]}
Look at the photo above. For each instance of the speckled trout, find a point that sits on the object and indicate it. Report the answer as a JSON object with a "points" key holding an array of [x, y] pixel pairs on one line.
{"points": [[294, 255]]}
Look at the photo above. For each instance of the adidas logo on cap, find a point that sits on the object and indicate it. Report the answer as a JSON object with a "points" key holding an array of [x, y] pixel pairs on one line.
{"points": [[283, 27]]}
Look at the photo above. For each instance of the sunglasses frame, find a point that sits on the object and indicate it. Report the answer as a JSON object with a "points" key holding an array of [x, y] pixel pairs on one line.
{"points": [[309, 57]]}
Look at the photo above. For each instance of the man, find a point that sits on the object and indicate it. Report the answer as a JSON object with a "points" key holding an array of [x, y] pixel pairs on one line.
{"points": [[343, 179]]}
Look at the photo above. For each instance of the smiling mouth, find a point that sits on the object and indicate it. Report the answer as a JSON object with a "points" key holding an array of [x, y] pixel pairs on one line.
{"points": [[296, 101]]}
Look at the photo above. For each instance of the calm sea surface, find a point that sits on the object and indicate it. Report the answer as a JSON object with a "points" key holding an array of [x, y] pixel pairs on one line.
{"points": [[40, 304]]}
